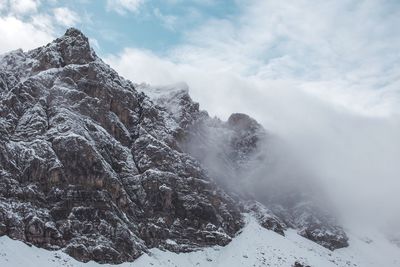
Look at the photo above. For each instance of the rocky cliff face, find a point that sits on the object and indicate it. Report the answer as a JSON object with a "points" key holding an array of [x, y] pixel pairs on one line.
{"points": [[253, 167], [106, 169]]}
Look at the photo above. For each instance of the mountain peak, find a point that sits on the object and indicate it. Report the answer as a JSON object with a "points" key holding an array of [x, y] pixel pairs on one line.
{"points": [[74, 32], [240, 121], [91, 166], [71, 48]]}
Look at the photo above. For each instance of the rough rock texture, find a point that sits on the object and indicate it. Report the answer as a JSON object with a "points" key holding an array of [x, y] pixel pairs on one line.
{"points": [[298, 264], [265, 217], [106, 169], [241, 155], [393, 236], [90, 165]]}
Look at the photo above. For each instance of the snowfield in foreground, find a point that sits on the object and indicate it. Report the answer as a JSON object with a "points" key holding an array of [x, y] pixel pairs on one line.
{"points": [[254, 246]]}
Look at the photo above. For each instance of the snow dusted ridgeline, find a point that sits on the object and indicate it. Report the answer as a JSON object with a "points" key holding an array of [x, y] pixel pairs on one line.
{"points": [[254, 246], [107, 170]]}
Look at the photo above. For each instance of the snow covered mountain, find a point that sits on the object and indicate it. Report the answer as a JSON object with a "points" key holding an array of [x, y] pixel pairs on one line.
{"points": [[110, 171], [254, 246]]}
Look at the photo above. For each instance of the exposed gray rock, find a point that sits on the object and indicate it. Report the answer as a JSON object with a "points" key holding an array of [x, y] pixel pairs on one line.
{"points": [[90, 165], [266, 218], [106, 169], [298, 264], [241, 155]]}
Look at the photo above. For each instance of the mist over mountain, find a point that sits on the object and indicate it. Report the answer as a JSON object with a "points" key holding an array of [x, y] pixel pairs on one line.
{"points": [[109, 170]]}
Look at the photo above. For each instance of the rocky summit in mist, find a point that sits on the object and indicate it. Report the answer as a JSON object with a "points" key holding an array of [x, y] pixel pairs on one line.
{"points": [[106, 169]]}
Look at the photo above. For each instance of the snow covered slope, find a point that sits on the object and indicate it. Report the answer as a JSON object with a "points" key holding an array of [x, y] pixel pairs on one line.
{"points": [[254, 246]]}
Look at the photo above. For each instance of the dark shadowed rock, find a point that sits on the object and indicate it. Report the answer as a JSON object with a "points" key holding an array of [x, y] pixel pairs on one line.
{"points": [[241, 155], [90, 165], [298, 264], [105, 169]]}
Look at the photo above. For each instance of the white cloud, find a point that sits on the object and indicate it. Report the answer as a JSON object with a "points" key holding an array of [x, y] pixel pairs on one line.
{"points": [[24, 6], [339, 43], [22, 25], [94, 43], [124, 6], [28, 37], [341, 46], [199, 2], [43, 22], [66, 16], [168, 21], [3, 4]]}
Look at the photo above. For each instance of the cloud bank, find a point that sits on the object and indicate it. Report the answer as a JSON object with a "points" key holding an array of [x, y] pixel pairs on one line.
{"points": [[28, 24]]}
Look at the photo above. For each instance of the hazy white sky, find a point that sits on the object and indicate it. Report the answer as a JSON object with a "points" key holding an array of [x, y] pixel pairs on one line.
{"points": [[325, 75]]}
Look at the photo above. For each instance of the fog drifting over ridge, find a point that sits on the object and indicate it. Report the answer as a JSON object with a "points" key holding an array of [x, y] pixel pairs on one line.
{"points": [[325, 78]]}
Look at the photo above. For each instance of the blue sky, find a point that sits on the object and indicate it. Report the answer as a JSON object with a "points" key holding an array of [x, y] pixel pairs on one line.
{"points": [[153, 24]]}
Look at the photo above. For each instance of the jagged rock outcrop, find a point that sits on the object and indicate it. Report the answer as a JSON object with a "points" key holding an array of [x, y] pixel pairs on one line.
{"points": [[90, 165], [106, 169], [242, 156], [298, 264]]}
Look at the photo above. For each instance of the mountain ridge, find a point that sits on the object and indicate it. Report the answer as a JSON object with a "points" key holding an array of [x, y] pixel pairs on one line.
{"points": [[92, 165]]}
